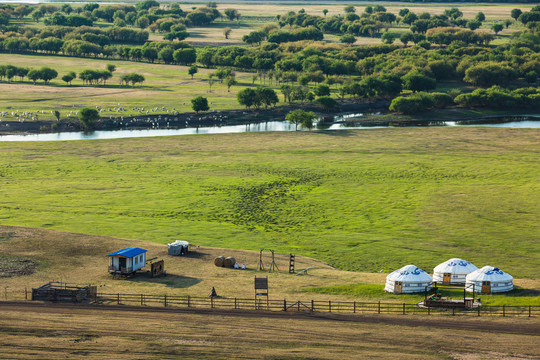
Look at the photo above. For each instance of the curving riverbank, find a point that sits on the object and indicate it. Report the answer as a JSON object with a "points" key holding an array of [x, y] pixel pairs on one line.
{"points": [[351, 114]]}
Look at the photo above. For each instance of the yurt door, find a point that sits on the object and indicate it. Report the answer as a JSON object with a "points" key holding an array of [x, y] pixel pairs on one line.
{"points": [[486, 287], [447, 278], [398, 287]]}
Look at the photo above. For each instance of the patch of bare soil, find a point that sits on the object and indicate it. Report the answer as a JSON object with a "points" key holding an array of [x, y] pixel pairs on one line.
{"points": [[16, 267], [489, 356]]}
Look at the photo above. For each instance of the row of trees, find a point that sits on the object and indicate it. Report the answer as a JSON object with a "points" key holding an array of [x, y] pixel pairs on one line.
{"points": [[8, 72]]}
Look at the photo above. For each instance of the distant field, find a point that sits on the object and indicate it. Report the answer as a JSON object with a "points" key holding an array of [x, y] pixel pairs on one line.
{"points": [[166, 86], [359, 200]]}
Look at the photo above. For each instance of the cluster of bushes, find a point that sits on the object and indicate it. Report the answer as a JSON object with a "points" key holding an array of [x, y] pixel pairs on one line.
{"points": [[260, 96], [500, 98], [420, 102]]}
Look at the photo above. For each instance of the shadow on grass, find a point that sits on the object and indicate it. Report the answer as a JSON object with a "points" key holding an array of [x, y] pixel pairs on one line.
{"points": [[171, 280]]}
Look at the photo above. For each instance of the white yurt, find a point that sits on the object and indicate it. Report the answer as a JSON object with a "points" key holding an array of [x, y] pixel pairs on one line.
{"points": [[453, 271], [408, 279], [489, 279]]}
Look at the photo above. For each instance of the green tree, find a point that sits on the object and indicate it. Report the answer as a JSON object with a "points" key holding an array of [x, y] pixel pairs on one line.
{"points": [[232, 14], [349, 9], [192, 70], [247, 97], [515, 13], [230, 81], [473, 24], [57, 115], [387, 38], [347, 39], [480, 17], [199, 104], [417, 81], [88, 117], [302, 118], [497, 28], [111, 68], [227, 32], [325, 11], [68, 78]]}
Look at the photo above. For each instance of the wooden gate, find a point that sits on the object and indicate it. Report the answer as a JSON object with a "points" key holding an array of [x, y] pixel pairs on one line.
{"points": [[398, 287], [486, 287], [447, 278]]}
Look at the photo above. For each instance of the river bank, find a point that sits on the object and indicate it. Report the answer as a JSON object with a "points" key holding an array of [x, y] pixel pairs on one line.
{"points": [[349, 113]]}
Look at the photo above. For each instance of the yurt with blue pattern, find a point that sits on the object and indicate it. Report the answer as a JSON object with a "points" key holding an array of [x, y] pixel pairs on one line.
{"points": [[453, 271], [408, 279], [489, 280]]}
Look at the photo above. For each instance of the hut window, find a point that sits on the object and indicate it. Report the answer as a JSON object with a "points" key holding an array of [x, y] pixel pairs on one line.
{"points": [[136, 260]]}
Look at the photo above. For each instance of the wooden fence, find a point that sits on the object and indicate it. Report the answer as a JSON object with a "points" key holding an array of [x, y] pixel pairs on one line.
{"points": [[328, 306]]}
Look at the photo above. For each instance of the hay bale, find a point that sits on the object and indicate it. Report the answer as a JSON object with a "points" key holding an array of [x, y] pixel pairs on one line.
{"points": [[219, 261], [229, 262]]}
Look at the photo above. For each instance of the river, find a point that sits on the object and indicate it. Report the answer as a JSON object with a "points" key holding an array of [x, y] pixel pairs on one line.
{"points": [[259, 127]]}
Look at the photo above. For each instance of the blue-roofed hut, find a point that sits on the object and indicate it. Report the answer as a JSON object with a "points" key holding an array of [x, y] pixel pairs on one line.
{"points": [[127, 261]]}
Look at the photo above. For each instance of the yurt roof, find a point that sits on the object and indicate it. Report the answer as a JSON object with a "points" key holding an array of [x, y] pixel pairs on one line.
{"points": [[489, 273], [455, 266], [410, 273]]}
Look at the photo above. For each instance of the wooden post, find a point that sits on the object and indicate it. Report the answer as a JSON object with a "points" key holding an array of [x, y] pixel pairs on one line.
{"points": [[529, 310], [504, 312], [25, 293], [212, 302], [165, 300], [354, 307], [235, 304], [284, 304], [298, 304], [478, 310], [188, 301], [379, 311], [403, 308], [329, 306], [142, 301], [313, 305], [118, 299]]}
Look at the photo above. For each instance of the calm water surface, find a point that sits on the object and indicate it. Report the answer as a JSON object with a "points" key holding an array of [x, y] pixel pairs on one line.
{"points": [[268, 126]]}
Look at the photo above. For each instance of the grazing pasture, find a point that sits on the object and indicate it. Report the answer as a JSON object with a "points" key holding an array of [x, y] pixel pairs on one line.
{"points": [[358, 200]]}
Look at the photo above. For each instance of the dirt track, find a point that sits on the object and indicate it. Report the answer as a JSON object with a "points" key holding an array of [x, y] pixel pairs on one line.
{"points": [[523, 326]]}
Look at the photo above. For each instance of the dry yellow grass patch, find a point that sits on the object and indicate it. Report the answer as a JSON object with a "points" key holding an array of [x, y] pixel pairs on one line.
{"points": [[79, 258]]}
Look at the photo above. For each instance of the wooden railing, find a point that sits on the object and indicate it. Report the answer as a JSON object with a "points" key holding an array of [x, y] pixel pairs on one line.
{"points": [[328, 306]]}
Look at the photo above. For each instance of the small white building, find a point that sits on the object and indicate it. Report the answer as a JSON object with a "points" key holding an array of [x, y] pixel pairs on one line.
{"points": [[453, 271], [127, 261], [488, 280], [179, 247], [408, 279]]}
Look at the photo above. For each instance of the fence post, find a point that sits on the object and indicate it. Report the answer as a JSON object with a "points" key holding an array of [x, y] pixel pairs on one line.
{"points": [[211, 302], [329, 306], [403, 308], [298, 306], [284, 304], [25, 293], [313, 305], [165, 300], [142, 301], [188, 301], [354, 307], [504, 312], [118, 298], [235, 303], [529, 310], [478, 310]]}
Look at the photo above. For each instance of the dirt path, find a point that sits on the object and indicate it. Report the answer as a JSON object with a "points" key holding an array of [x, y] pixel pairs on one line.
{"points": [[520, 326]]}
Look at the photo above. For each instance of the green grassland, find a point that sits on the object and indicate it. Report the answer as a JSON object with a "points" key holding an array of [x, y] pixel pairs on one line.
{"points": [[359, 200]]}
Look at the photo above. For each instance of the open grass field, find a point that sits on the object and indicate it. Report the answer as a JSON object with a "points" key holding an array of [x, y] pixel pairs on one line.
{"points": [[358, 200], [167, 86], [59, 332]]}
